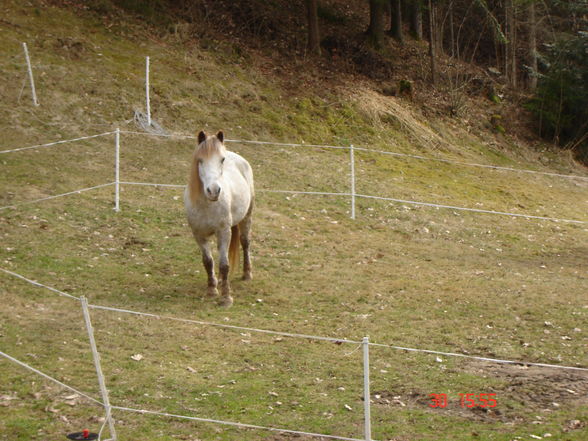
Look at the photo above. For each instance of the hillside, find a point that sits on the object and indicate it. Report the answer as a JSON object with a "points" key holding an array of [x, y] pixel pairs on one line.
{"points": [[410, 275]]}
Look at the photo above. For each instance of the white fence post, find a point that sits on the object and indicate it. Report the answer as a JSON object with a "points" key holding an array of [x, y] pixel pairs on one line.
{"points": [[352, 160], [96, 356], [31, 79], [148, 102], [366, 389], [117, 170]]}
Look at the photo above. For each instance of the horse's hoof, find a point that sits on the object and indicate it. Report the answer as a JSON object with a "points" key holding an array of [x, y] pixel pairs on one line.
{"points": [[247, 276], [212, 291], [226, 301]]}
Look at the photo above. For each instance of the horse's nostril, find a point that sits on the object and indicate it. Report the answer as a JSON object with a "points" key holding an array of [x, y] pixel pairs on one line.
{"points": [[208, 190]]}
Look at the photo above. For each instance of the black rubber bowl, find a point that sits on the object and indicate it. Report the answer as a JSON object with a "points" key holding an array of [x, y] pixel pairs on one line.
{"points": [[79, 436]]}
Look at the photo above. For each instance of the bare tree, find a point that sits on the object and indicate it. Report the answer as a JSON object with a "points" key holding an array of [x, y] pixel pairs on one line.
{"points": [[510, 55], [313, 44], [396, 20], [416, 19], [532, 23], [432, 42], [375, 30]]}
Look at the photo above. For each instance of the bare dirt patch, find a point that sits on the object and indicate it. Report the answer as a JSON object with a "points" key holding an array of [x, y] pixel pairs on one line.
{"points": [[524, 393], [538, 388]]}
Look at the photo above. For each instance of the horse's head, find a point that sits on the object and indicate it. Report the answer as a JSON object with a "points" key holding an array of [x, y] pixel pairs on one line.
{"points": [[209, 161]]}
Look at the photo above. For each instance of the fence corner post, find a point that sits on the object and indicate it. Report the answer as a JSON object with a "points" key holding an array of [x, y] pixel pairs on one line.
{"points": [[30, 69], [352, 161], [147, 100], [366, 389], [117, 170], [98, 366]]}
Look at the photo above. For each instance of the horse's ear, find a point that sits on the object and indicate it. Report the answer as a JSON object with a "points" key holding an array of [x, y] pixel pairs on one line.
{"points": [[220, 136], [201, 137]]}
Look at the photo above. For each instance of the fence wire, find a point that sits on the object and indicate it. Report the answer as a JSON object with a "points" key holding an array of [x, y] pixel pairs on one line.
{"points": [[49, 144], [401, 201], [293, 335], [50, 378], [19, 204], [367, 150]]}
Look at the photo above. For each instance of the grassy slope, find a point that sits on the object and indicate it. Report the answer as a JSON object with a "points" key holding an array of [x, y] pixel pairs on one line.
{"points": [[400, 274]]}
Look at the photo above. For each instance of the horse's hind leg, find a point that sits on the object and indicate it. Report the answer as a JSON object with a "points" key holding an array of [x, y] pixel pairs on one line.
{"points": [[245, 230], [208, 262], [224, 239]]}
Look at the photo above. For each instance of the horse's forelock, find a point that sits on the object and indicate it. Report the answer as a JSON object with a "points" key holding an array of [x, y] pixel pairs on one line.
{"points": [[210, 147]]}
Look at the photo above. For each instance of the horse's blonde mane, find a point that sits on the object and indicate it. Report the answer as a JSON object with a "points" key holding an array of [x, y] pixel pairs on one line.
{"points": [[206, 149]]}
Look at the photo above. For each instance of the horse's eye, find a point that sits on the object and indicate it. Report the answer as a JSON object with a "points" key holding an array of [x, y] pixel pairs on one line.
{"points": [[200, 161]]}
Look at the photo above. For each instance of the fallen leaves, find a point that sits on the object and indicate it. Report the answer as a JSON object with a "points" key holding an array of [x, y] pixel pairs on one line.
{"points": [[50, 409], [71, 400], [6, 399], [573, 425]]}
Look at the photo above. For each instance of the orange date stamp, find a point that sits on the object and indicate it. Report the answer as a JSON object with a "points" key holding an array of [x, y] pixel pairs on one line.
{"points": [[440, 401]]}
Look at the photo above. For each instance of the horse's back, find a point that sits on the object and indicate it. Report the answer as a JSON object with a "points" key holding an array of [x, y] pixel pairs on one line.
{"points": [[243, 167]]}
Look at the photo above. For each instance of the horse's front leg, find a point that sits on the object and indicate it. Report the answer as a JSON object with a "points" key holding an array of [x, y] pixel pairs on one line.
{"points": [[208, 263], [224, 239]]}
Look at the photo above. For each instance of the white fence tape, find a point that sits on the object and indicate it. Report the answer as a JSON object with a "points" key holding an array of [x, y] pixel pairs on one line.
{"points": [[49, 144], [170, 415], [225, 326], [40, 285], [151, 184], [240, 425], [476, 357], [19, 204], [334, 339], [352, 194], [363, 149], [295, 335], [472, 164], [402, 201], [475, 210], [48, 377]]}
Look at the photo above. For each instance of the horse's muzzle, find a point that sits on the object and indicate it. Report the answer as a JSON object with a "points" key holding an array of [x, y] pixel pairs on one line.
{"points": [[213, 193]]}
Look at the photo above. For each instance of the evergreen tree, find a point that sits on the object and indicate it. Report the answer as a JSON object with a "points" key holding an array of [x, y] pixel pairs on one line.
{"points": [[561, 101]]}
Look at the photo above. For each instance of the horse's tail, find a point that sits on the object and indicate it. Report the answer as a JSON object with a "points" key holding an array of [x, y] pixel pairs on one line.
{"points": [[234, 247]]}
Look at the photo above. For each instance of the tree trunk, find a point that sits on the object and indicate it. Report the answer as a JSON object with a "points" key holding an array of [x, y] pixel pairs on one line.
{"points": [[513, 45], [313, 44], [432, 43], [396, 20], [510, 54], [532, 46], [375, 30], [439, 27], [505, 68], [454, 52], [416, 19]]}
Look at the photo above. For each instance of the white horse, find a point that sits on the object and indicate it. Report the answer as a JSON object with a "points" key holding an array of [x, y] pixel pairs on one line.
{"points": [[219, 201]]}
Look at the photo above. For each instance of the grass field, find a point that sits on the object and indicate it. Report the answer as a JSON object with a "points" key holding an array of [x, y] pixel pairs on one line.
{"points": [[405, 275]]}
